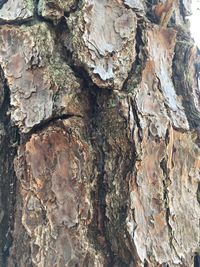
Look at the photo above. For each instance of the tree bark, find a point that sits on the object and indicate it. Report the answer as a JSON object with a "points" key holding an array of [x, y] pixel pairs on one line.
{"points": [[99, 134]]}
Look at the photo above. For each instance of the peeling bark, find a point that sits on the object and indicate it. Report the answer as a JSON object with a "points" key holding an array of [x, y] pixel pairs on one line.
{"points": [[99, 134]]}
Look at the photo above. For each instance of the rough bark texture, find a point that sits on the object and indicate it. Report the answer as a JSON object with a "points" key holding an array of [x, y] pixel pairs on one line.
{"points": [[99, 134]]}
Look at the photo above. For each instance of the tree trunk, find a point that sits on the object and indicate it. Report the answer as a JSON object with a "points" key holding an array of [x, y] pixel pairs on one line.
{"points": [[99, 134]]}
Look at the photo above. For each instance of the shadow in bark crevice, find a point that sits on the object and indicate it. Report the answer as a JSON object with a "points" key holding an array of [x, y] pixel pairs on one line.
{"points": [[8, 150], [185, 78], [198, 193], [98, 121], [135, 74], [25, 137], [196, 260], [97, 229], [2, 2], [166, 182]]}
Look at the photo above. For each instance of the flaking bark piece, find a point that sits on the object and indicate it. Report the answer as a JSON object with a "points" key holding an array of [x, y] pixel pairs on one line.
{"points": [[104, 41]]}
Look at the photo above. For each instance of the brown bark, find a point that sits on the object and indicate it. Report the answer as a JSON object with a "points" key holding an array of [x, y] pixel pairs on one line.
{"points": [[99, 134]]}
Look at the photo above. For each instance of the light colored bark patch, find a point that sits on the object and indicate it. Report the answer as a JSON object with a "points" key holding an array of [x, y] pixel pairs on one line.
{"points": [[104, 42], [17, 10], [136, 4], [161, 43]]}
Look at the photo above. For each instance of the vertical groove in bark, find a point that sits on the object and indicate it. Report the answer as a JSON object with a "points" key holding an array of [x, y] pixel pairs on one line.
{"points": [[99, 197], [9, 139], [185, 75], [135, 75], [166, 182]]}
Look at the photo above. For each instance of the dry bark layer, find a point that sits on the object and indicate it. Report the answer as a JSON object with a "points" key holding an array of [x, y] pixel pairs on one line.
{"points": [[99, 134]]}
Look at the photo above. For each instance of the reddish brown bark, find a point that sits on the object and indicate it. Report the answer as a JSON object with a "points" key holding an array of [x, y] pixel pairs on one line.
{"points": [[99, 134]]}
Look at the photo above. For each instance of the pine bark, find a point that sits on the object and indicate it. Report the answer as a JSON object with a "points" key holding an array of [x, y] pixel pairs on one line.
{"points": [[99, 134]]}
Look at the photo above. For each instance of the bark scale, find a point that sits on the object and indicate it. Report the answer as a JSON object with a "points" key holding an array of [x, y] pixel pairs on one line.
{"points": [[99, 134]]}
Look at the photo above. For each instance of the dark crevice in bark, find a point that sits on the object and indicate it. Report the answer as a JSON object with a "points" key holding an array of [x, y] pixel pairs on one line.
{"points": [[183, 79], [9, 137], [181, 9], [197, 260], [81, 73], [166, 182], [136, 118], [44, 124], [27, 22], [150, 13], [135, 75], [122, 166], [184, 13], [198, 193], [167, 137], [146, 263], [39, 18], [99, 227], [2, 2]]}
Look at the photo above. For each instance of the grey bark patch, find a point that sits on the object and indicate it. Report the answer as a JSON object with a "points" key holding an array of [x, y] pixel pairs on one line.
{"points": [[104, 42], [16, 10], [135, 4]]}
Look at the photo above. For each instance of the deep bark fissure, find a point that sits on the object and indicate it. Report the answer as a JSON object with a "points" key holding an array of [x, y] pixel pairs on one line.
{"points": [[166, 182], [182, 78], [150, 14], [2, 2], [98, 141], [45, 124], [8, 151], [99, 196], [135, 74], [80, 72], [196, 260], [136, 117]]}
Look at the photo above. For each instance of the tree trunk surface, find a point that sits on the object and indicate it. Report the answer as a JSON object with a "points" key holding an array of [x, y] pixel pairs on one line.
{"points": [[99, 134]]}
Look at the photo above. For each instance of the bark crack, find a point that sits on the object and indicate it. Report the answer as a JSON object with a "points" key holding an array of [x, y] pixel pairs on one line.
{"points": [[101, 191], [9, 136], [166, 182], [2, 2], [135, 74], [98, 229], [163, 166], [136, 118], [45, 123]]}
